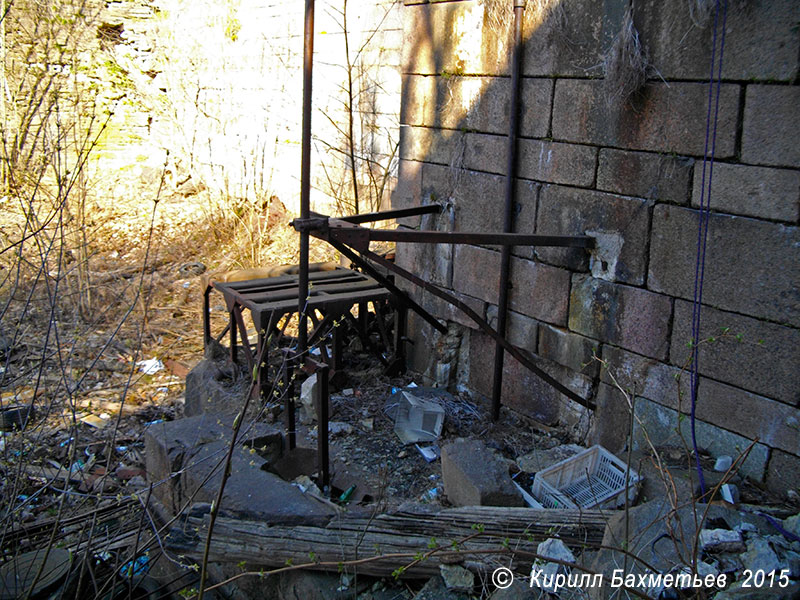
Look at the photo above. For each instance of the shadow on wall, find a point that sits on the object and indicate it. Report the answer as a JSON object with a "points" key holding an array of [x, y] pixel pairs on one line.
{"points": [[629, 173]]}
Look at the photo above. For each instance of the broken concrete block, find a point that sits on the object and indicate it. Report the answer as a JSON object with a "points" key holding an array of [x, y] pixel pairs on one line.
{"points": [[168, 445], [720, 540], [184, 457], [792, 524], [456, 578], [655, 532], [723, 463], [553, 548], [761, 557], [474, 476], [730, 493], [213, 389]]}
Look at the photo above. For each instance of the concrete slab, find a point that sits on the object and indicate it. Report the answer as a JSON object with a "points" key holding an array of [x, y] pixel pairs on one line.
{"points": [[473, 476], [185, 457]]}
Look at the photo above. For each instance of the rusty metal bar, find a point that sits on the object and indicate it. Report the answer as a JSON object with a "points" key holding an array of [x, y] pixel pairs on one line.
{"points": [[385, 282], [458, 237], [305, 175], [397, 213], [206, 318], [288, 376], [232, 349], [488, 329], [330, 229], [323, 370], [510, 199]]}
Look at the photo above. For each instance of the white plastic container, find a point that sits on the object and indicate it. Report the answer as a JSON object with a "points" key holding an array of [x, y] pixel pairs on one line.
{"points": [[594, 478]]}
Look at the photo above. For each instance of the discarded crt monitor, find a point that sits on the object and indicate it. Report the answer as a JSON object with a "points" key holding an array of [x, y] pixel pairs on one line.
{"points": [[417, 420]]}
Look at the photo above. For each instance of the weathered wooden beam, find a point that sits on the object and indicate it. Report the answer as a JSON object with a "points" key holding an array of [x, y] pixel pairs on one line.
{"points": [[481, 537]]}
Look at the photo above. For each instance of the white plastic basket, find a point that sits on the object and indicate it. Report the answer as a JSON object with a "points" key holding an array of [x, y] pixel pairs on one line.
{"points": [[594, 478]]}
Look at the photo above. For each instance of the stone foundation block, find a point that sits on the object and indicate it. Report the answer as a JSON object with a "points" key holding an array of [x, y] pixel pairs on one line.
{"points": [[570, 164], [771, 126], [750, 267], [681, 46], [644, 174], [632, 318], [664, 118], [755, 355], [568, 349], [751, 191], [473, 476], [539, 290], [570, 211], [662, 425]]}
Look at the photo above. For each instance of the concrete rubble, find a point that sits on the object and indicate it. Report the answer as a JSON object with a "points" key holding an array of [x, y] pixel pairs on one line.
{"points": [[474, 476], [271, 484]]}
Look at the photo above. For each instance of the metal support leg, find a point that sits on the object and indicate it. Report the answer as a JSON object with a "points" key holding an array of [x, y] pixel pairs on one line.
{"points": [[338, 334], [363, 324], [232, 326], [288, 371], [322, 426], [400, 319], [206, 318]]}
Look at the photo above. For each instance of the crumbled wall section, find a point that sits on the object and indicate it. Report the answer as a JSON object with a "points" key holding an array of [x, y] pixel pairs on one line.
{"points": [[631, 175]]}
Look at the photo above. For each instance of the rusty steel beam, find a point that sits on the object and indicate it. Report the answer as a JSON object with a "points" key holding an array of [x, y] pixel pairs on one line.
{"points": [[328, 229], [483, 325], [458, 237], [305, 175], [397, 213], [385, 282]]}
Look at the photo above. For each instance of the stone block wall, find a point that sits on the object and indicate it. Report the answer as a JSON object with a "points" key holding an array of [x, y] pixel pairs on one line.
{"points": [[630, 174]]}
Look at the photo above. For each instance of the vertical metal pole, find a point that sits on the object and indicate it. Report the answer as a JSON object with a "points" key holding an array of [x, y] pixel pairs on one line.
{"points": [[508, 221], [288, 372], [206, 319], [233, 336], [322, 425], [305, 177], [338, 342], [401, 316]]}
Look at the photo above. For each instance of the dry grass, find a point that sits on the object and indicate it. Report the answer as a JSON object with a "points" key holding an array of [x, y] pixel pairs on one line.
{"points": [[625, 64]]}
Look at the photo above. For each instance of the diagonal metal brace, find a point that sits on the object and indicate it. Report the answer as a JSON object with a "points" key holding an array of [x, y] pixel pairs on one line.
{"points": [[484, 326], [385, 282]]}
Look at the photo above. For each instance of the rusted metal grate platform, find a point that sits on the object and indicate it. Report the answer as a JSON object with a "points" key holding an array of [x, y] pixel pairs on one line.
{"points": [[332, 295]]}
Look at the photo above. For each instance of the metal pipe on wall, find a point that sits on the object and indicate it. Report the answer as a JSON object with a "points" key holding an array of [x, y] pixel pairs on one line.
{"points": [[510, 197], [305, 177]]}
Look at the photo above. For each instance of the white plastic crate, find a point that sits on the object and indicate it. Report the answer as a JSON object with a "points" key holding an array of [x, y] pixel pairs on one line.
{"points": [[594, 478]]}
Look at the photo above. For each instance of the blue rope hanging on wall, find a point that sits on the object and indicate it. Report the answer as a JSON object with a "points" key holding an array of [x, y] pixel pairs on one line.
{"points": [[704, 215]]}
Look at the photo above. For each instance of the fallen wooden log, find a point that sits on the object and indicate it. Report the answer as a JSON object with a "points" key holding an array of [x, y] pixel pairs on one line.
{"points": [[481, 537]]}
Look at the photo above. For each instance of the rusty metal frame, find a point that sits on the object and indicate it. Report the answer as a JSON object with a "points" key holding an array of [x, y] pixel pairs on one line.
{"points": [[349, 238]]}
